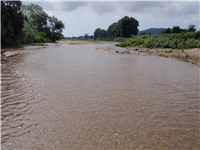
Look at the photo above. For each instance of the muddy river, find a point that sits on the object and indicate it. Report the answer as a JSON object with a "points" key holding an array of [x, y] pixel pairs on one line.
{"points": [[79, 97]]}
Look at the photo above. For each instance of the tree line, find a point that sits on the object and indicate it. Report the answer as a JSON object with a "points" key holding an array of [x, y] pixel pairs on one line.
{"points": [[177, 29], [125, 27], [27, 23]]}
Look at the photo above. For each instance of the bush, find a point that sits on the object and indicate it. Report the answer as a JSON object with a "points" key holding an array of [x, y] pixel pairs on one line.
{"points": [[182, 40]]}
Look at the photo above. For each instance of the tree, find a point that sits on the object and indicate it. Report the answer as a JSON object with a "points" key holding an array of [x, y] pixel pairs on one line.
{"points": [[97, 33], [191, 28], [100, 33], [176, 29], [56, 27], [112, 30], [128, 26], [42, 22], [36, 17], [125, 27], [11, 22]]}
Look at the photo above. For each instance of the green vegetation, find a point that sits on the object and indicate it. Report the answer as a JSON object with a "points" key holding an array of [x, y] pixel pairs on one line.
{"points": [[162, 55], [177, 29], [11, 22], [44, 27], [100, 33], [173, 40], [169, 51], [27, 24], [124, 28]]}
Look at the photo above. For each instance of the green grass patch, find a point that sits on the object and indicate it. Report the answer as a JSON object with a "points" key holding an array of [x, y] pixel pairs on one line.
{"points": [[169, 51]]}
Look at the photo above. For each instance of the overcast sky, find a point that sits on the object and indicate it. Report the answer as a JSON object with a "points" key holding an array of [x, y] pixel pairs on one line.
{"points": [[82, 17]]}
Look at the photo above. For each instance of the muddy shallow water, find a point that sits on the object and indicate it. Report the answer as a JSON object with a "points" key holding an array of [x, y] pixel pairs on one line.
{"points": [[77, 96]]}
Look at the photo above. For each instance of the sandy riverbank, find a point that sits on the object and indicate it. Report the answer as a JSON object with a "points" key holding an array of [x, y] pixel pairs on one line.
{"points": [[190, 55]]}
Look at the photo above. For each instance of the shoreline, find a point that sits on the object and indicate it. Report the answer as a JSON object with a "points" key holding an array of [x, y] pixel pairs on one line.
{"points": [[189, 55]]}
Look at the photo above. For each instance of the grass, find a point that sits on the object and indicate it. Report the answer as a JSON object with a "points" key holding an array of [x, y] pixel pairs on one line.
{"points": [[169, 51], [162, 55]]}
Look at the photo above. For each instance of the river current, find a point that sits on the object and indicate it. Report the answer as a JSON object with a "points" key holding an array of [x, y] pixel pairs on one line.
{"points": [[79, 97]]}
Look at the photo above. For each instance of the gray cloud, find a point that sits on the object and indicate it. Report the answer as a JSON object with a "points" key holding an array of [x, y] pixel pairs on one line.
{"points": [[170, 9], [160, 8], [63, 6], [103, 7]]}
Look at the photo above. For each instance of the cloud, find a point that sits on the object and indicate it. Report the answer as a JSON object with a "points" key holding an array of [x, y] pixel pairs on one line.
{"points": [[63, 6], [169, 9], [186, 21], [102, 8], [196, 18], [154, 8]]}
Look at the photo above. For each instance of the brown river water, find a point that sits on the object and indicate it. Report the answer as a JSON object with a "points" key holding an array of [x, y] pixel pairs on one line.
{"points": [[79, 97]]}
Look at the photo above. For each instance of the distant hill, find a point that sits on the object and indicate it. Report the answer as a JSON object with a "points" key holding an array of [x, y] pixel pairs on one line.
{"points": [[152, 30]]}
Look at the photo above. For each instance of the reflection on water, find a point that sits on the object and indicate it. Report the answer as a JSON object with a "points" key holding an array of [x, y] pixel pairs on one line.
{"points": [[80, 97]]}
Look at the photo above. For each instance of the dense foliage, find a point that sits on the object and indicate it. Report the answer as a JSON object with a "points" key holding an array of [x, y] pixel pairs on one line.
{"points": [[27, 23], [173, 40], [100, 33], [125, 27], [11, 22], [30, 35], [46, 27]]}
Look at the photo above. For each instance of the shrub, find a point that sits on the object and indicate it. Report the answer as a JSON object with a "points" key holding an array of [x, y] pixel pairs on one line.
{"points": [[174, 40]]}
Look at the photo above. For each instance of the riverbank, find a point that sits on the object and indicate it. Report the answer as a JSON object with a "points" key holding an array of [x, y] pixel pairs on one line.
{"points": [[190, 55], [8, 51]]}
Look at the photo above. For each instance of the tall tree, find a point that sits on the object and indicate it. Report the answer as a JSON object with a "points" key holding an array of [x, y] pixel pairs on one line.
{"points": [[125, 27], [11, 22], [42, 22], [100, 33], [128, 26], [112, 30], [97, 33], [36, 16], [56, 27]]}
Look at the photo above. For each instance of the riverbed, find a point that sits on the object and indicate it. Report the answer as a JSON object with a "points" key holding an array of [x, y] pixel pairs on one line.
{"points": [[80, 97]]}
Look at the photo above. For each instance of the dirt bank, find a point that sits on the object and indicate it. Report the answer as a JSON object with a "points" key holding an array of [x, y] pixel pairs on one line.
{"points": [[190, 55]]}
